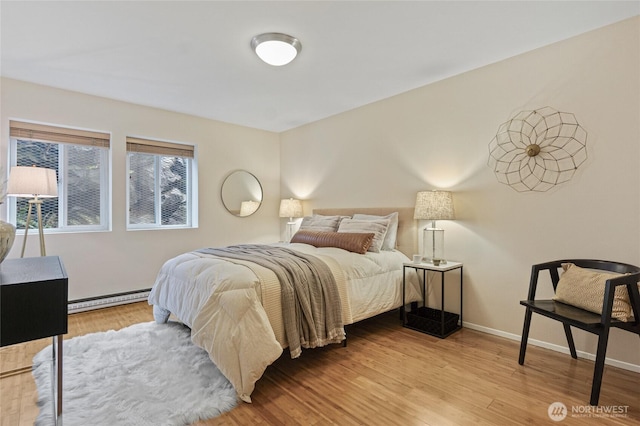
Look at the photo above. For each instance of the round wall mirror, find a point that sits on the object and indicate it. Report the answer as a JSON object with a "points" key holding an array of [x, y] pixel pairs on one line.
{"points": [[241, 193]]}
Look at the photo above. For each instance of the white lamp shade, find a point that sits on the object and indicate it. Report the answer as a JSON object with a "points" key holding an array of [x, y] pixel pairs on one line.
{"points": [[290, 208], [434, 205], [32, 182]]}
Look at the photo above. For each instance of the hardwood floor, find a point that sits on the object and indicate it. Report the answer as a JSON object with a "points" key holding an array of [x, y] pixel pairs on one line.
{"points": [[386, 375]]}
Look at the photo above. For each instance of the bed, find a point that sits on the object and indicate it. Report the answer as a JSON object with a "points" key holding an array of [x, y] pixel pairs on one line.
{"points": [[238, 306]]}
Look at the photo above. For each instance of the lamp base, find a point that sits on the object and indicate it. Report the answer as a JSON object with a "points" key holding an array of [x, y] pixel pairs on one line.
{"points": [[38, 203], [433, 244], [290, 228]]}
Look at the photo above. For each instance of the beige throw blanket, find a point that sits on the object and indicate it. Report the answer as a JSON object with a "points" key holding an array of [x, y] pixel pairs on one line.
{"points": [[311, 307]]}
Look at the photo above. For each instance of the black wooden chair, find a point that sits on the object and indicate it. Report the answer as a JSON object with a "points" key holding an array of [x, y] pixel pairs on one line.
{"points": [[572, 316]]}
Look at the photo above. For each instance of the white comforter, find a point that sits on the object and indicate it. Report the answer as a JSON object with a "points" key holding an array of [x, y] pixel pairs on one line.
{"points": [[234, 311]]}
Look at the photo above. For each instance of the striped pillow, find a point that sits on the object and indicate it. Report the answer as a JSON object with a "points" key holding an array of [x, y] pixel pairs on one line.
{"points": [[377, 227], [321, 223], [389, 242]]}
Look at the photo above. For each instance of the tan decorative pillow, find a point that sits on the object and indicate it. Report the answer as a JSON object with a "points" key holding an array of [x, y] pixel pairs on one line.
{"points": [[584, 288], [350, 241]]}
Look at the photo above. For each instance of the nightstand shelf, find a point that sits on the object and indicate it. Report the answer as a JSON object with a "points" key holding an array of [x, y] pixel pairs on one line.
{"points": [[436, 322]]}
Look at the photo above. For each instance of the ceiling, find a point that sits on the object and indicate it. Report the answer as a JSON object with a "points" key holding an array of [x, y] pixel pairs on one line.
{"points": [[194, 57]]}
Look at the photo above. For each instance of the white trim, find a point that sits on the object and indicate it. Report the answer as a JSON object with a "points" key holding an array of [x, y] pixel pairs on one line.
{"points": [[557, 348]]}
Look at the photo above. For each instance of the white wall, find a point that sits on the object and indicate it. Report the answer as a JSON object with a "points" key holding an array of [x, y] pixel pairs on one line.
{"points": [[120, 260], [437, 136]]}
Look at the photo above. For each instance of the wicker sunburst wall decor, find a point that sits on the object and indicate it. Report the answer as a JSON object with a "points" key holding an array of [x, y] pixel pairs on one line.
{"points": [[537, 150]]}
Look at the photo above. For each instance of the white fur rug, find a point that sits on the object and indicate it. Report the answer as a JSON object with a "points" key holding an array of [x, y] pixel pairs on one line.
{"points": [[145, 374]]}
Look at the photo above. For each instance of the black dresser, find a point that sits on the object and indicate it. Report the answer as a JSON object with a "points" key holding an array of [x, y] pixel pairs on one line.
{"points": [[33, 305]]}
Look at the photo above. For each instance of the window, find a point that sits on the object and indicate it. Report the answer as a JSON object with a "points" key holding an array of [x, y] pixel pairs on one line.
{"points": [[81, 161], [160, 189]]}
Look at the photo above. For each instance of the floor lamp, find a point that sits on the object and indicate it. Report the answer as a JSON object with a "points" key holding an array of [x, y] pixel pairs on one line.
{"points": [[434, 205], [35, 183], [290, 208]]}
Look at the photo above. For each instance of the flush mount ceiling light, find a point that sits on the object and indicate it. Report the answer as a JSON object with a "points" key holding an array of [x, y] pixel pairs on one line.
{"points": [[275, 48]]}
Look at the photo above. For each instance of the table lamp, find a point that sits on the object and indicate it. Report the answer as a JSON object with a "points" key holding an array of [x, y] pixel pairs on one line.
{"points": [[434, 205], [290, 208], [35, 183]]}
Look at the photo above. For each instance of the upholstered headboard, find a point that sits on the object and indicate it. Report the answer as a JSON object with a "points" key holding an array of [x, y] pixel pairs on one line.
{"points": [[407, 241]]}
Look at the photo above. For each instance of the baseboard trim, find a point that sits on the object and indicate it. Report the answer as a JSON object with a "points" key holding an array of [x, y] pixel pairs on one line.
{"points": [[565, 350], [15, 372], [81, 305]]}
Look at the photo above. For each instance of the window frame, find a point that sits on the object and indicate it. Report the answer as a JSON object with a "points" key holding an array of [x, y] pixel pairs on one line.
{"points": [[63, 170], [158, 149]]}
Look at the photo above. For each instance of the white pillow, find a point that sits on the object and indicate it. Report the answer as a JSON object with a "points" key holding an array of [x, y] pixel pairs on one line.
{"points": [[389, 242], [321, 223], [377, 227]]}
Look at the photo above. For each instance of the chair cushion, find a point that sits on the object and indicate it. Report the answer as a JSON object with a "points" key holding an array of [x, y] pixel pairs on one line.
{"points": [[584, 288]]}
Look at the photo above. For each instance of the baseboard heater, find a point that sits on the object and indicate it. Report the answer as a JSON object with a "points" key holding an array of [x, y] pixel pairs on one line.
{"points": [[108, 300]]}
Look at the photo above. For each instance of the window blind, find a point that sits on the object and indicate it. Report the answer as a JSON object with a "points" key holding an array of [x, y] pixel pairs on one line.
{"points": [[147, 146], [23, 130]]}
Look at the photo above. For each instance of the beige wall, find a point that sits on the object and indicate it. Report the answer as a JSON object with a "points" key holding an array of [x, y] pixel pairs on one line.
{"points": [[110, 262], [437, 136]]}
